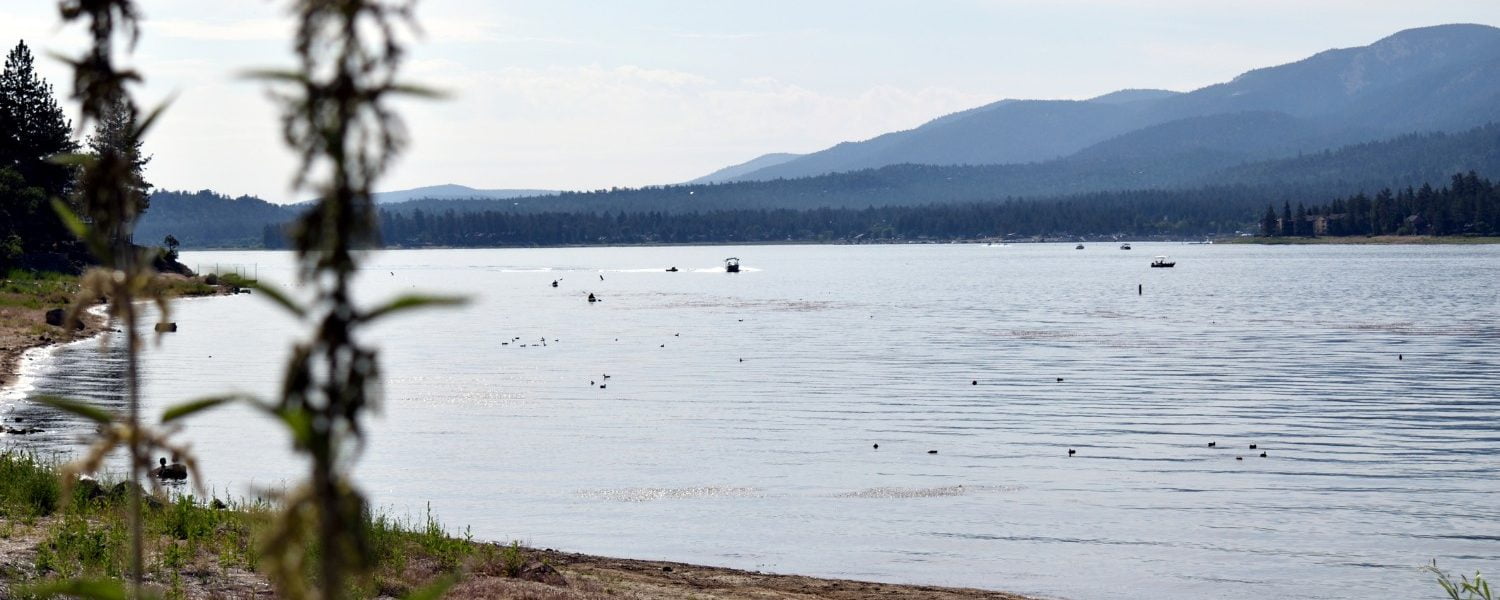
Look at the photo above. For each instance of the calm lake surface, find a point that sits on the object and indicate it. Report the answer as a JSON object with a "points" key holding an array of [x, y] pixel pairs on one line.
{"points": [[740, 413]]}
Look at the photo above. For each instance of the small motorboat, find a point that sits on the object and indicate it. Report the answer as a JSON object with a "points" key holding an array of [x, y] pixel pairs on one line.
{"points": [[1163, 262], [1125, 246], [1078, 247], [731, 265], [672, 270]]}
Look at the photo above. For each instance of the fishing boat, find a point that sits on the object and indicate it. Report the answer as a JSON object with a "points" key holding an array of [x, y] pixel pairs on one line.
{"points": [[1163, 262], [1125, 246], [1078, 247], [731, 265]]}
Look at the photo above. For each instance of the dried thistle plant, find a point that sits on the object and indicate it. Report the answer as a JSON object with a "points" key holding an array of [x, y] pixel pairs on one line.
{"points": [[336, 116], [111, 193]]}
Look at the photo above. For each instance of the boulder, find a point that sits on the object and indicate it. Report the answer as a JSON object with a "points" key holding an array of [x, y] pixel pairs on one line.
{"points": [[20, 430], [120, 493], [57, 317], [88, 489], [541, 572], [166, 327]]}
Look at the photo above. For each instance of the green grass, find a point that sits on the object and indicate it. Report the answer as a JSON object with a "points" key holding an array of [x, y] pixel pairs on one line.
{"points": [[28, 487], [44, 290], [235, 280], [32, 289], [85, 535]]}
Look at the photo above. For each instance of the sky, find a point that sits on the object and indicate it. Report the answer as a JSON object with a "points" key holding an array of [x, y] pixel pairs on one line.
{"points": [[579, 94]]}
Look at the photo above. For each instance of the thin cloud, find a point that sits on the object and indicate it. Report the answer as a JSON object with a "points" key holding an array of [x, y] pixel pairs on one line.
{"points": [[239, 31], [720, 36]]}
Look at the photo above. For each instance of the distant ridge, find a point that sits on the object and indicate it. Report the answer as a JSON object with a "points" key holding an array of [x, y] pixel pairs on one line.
{"points": [[749, 166], [453, 191], [1440, 78], [1132, 95], [1405, 160]]}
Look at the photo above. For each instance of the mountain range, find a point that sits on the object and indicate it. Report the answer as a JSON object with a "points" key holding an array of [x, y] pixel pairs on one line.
{"points": [[1410, 109], [452, 191], [1441, 78]]}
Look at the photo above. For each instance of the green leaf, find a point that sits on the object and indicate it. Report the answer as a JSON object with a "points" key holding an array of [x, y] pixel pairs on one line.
{"points": [[188, 408], [274, 75], [92, 413], [409, 302], [297, 421], [71, 220], [81, 230], [144, 124], [279, 297], [91, 589], [418, 91]]}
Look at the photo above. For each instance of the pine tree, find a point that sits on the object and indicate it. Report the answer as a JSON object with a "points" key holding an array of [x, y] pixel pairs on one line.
{"points": [[115, 133], [33, 129], [1268, 222]]}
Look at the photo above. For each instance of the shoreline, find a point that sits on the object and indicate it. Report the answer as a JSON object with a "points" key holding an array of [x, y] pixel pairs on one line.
{"points": [[581, 576], [214, 558], [1360, 240], [1394, 240], [23, 328], [14, 350]]}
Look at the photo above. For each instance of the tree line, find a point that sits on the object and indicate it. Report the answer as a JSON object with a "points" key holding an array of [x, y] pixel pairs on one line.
{"points": [[1135, 214], [35, 140], [1468, 205]]}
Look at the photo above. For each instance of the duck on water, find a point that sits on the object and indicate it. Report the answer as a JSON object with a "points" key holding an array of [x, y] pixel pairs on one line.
{"points": [[174, 472]]}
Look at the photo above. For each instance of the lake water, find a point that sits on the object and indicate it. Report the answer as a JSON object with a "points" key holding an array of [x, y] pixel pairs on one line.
{"points": [[741, 409]]}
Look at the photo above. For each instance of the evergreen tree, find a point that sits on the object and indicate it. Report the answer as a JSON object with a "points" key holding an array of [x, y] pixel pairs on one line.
{"points": [[33, 129], [1286, 219], [114, 133], [1268, 222]]}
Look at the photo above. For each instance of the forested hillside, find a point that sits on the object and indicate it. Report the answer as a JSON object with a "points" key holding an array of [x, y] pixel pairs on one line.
{"points": [[1468, 205], [1135, 215], [206, 219], [1197, 204], [1410, 160]]}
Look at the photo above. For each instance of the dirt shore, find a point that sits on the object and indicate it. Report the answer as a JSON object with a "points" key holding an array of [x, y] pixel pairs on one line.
{"points": [[652, 579], [575, 577], [23, 322], [22, 329]]}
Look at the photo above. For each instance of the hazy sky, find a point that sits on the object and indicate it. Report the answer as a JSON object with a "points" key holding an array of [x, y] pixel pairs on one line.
{"points": [[573, 94]]}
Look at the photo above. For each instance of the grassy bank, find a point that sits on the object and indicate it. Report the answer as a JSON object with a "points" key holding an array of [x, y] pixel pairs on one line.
{"points": [[196, 546], [211, 548], [26, 296], [1362, 240]]}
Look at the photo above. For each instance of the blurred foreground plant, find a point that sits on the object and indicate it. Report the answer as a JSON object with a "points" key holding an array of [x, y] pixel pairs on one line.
{"points": [[112, 194], [336, 115]]}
